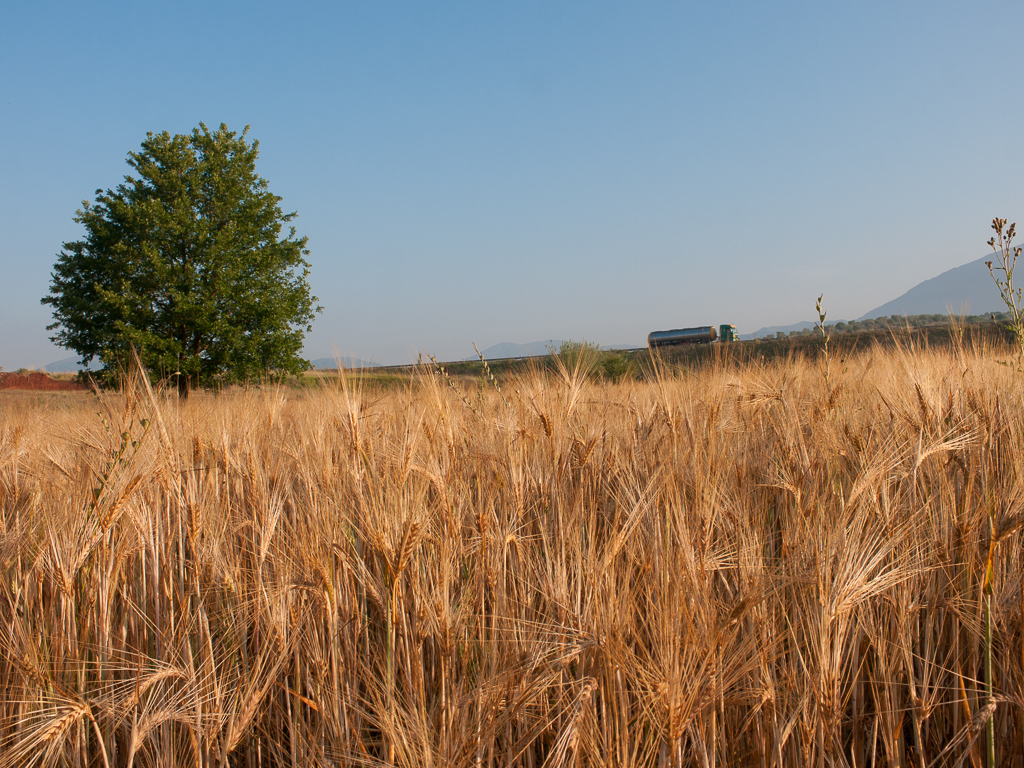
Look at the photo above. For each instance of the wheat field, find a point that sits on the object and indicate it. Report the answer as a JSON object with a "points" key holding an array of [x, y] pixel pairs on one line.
{"points": [[736, 564]]}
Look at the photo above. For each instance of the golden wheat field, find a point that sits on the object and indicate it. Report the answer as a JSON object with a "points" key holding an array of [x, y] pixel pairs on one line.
{"points": [[736, 564]]}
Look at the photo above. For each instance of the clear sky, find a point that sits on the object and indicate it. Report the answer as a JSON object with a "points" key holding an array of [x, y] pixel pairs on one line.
{"points": [[519, 171]]}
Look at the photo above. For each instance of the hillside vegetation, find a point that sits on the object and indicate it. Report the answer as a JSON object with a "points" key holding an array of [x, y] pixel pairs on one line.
{"points": [[742, 562]]}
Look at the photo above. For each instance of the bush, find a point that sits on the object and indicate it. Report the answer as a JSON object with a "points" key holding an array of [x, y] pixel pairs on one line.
{"points": [[590, 360], [615, 366]]}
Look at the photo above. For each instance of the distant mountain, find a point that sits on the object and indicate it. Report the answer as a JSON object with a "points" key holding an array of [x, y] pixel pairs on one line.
{"points": [[511, 349], [67, 365], [968, 289], [331, 363]]}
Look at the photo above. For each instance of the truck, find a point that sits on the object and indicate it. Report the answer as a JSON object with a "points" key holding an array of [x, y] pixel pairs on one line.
{"points": [[704, 334]]}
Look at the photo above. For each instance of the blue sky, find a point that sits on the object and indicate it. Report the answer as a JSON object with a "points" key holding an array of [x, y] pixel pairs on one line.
{"points": [[486, 172]]}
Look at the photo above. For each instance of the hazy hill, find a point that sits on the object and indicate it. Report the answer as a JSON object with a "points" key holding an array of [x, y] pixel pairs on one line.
{"points": [[968, 289], [65, 365]]}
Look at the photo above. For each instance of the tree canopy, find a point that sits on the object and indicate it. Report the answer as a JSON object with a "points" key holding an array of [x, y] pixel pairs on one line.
{"points": [[188, 262]]}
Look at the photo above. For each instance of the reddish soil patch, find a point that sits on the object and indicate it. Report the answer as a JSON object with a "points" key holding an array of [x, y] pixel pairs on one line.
{"points": [[39, 382]]}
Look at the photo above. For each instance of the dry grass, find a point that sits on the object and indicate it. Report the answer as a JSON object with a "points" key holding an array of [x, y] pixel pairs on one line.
{"points": [[740, 565]]}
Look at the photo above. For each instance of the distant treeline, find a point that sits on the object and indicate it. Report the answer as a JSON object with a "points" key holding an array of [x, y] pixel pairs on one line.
{"points": [[898, 321]]}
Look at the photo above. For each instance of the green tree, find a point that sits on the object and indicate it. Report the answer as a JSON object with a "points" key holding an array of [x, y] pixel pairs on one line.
{"points": [[186, 261]]}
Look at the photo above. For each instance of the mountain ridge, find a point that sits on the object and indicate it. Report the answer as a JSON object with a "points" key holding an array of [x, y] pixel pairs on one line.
{"points": [[967, 289]]}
